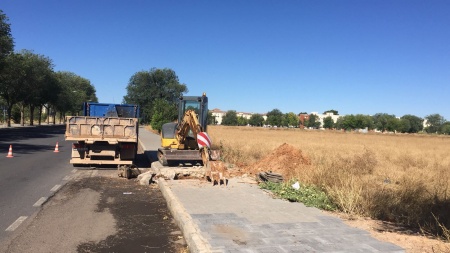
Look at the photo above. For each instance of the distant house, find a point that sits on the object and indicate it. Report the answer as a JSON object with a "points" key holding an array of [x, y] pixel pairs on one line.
{"points": [[245, 115], [322, 116], [219, 114], [302, 117]]}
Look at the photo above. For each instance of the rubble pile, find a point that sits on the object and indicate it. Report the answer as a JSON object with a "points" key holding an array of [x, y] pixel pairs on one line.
{"points": [[284, 160]]}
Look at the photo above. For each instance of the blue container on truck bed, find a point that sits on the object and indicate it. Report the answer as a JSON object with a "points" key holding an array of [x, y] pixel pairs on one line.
{"points": [[110, 110]]}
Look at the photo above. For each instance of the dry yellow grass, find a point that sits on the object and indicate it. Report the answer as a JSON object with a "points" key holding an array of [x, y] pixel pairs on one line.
{"points": [[395, 177]]}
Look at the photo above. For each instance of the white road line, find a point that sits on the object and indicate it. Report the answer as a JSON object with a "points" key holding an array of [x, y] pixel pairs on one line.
{"points": [[40, 202], [55, 188], [74, 170], [66, 178], [16, 223]]}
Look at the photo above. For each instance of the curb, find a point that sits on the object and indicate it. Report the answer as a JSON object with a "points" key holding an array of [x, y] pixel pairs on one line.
{"points": [[191, 232]]}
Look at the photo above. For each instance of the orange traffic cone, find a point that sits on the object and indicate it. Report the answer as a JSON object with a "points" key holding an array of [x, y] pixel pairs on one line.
{"points": [[10, 154], [56, 148]]}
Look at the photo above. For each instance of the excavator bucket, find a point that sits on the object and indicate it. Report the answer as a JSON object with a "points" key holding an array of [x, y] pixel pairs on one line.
{"points": [[215, 171]]}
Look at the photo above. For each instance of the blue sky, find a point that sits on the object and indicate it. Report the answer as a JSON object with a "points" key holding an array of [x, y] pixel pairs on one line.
{"points": [[359, 56]]}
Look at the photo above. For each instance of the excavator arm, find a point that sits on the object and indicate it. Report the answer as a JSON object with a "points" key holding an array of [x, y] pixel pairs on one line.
{"points": [[189, 123]]}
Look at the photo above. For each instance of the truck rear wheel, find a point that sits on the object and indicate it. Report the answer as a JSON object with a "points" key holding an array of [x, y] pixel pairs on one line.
{"points": [[127, 173]]}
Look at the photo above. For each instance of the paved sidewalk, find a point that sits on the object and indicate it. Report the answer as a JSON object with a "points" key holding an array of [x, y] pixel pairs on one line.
{"points": [[241, 217]]}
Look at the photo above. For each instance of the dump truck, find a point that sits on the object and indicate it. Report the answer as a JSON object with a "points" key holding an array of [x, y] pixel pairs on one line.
{"points": [[104, 134]]}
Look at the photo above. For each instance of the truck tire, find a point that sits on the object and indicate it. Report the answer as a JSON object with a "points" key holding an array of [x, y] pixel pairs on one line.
{"points": [[127, 173]]}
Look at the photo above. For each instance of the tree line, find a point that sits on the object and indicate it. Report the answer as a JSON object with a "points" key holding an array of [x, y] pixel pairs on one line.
{"points": [[28, 83], [156, 91], [435, 123]]}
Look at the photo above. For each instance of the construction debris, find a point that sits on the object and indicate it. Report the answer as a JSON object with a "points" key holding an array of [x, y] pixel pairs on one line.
{"points": [[271, 177], [217, 173], [286, 160]]}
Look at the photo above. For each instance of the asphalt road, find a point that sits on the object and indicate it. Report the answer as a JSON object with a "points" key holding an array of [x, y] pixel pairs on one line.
{"points": [[96, 211], [33, 174], [47, 205]]}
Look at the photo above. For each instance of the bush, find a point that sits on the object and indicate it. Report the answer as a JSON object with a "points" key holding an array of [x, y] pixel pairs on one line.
{"points": [[308, 195], [164, 112]]}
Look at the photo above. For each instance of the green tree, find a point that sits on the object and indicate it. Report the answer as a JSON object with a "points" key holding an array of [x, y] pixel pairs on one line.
{"points": [[12, 77], [230, 118], [241, 121], [313, 121], [164, 112], [6, 39], [445, 129], [74, 91], [385, 122], [274, 117], [290, 119], [346, 122], [328, 122], [256, 120], [6, 48], [404, 125], [434, 122], [393, 124], [362, 121], [38, 81], [144, 87], [211, 119], [411, 124]]}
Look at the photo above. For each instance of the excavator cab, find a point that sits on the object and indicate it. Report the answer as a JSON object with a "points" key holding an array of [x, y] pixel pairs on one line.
{"points": [[198, 104], [179, 139]]}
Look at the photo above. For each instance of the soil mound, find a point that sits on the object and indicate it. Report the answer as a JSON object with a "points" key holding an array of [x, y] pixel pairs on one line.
{"points": [[283, 160]]}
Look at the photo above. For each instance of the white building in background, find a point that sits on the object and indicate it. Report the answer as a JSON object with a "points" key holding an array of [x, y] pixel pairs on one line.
{"points": [[321, 117], [219, 114]]}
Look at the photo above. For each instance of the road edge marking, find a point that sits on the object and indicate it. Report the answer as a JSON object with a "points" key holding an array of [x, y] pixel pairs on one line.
{"points": [[40, 202], [55, 188], [16, 223]]}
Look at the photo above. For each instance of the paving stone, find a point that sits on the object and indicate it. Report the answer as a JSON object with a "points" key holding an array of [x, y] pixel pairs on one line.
{"points": [[242, 218]]}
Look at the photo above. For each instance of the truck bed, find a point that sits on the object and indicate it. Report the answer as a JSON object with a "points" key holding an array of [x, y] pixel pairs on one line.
{"points": [[110, 129]]}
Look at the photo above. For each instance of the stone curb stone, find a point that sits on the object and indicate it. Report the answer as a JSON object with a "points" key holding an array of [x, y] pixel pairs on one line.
{"points": [[191, 232]]}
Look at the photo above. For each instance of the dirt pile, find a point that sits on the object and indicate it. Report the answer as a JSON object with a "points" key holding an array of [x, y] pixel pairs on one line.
{"points": [[284, 160]]}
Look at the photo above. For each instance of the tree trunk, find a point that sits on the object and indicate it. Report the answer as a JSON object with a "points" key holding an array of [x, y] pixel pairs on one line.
{"points": [[8, 111], [40, 114], [32, 115], [22, 115], [48, 115]]}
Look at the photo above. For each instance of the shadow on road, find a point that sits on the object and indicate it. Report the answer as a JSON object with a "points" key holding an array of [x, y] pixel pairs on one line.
{"points": [[26, 148], [8, 135]]}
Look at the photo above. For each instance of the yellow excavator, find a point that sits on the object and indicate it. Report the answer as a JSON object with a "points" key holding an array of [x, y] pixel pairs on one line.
{"points": [[186, 140]]}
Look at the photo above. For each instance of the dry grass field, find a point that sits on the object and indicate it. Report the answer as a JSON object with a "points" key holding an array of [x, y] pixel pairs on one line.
{"points": [[392, 177]]}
